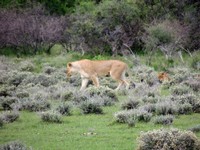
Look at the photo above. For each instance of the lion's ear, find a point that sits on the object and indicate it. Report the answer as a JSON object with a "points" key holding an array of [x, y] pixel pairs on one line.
{"points": [[69, 64]]}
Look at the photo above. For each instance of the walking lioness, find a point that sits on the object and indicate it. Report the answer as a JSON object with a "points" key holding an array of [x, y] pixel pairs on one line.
{"points": [[90, 70]]}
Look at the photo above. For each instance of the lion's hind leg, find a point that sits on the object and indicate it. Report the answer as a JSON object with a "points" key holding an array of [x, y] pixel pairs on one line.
{"points": [[95, 80]]}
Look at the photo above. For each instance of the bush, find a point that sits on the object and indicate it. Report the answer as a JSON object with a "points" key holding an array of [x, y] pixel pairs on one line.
{"points": [[124, 116], [180, 90], [64, 109], [14, 145], [168, 139], [165, 120], [91, 106], [130, 104], [51, 116], [26, 66], [127, 115], [67, 96], [34, 105], [7, 102], [166, 107], [188, 98], [1, 121], [9, 117], [195, 128], [185, 108]]}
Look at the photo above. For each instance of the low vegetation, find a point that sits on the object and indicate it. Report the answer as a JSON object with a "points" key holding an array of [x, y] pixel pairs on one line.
{"points": [[34, 99]]}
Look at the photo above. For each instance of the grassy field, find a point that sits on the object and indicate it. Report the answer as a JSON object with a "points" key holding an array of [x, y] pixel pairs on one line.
{"points": [[81, 131]]}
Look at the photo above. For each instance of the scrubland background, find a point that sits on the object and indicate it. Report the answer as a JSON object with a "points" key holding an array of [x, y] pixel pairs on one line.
{"points": [[41, 109]]}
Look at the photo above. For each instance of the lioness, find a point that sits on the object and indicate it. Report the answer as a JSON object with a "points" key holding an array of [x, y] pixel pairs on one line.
{"points": [[90, 70], [163, 76]]}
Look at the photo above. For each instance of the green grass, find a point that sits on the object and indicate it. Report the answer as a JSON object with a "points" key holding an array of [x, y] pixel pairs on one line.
{"points": [[74, 132]]}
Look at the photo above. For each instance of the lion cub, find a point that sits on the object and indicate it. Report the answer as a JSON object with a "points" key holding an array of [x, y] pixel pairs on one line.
{"points": [[90, 70]]}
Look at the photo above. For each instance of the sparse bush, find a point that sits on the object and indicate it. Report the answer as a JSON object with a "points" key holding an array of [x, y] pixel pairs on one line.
{"points": [[185, 108], [151, 108], [49, 70], [91, 106], [166, 107], [150, 99], [18, 77], [165, 120], [1, 121], [168, 139], [67, 96], [45, 80], [51, 116], [7, 102], [180, 90], [194, 84], [26, 66], [64, 109], [9, 117], [142, 115], [188, 98], [102, 91], [22, 94], [14, 145], [123, 116], [130, 104], [195, 128], [34, 105], [137, 114]]}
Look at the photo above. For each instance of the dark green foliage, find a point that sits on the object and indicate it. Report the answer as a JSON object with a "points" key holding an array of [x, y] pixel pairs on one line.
{"points": [[168, 139]]}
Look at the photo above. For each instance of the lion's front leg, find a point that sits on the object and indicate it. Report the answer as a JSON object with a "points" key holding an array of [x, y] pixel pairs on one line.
{"points": [[84, 83]]}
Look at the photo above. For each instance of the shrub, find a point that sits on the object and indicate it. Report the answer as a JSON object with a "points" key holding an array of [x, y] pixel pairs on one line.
{"points": [[168, 139], [166, 120], [185, 108], [127, 115], [194, 84], [195, 128], [130, 104], [150, 99], [67, 96], [9, 117], [49, 70], [91, 106], [102, 91], [64, 109], [180, 90], [124, 116], [7, 102], [166, 107], [22, 94], [1, 121], [51, 116], [14, 145], [26, 66], [142, 115], [18, 77], [34, 105], [188, 98], [149, 107]]}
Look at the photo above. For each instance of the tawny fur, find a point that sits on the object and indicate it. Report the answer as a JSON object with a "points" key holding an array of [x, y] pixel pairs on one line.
{"points": [[91, 70], [163, 76]]}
